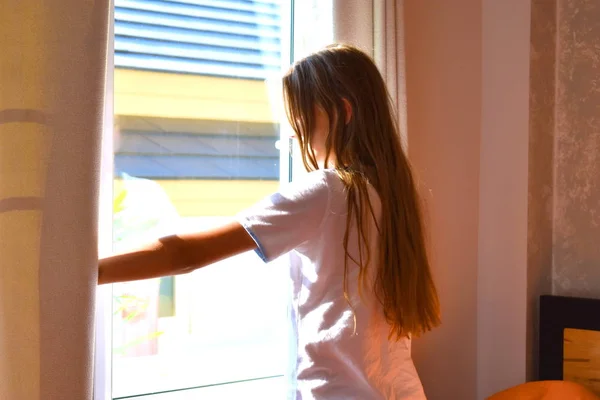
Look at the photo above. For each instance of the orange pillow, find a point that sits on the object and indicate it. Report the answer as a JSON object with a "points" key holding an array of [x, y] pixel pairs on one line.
{"points": [[546, 390]]}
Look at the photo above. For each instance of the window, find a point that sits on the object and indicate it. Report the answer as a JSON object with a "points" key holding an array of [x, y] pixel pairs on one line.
{"points": [[198, 137]]}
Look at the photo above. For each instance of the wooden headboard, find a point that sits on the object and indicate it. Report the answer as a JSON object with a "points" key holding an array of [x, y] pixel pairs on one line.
{"points": [[569, 343]]}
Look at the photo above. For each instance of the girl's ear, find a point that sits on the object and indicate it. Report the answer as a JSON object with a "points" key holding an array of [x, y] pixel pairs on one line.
{"points": [[348, 109]]}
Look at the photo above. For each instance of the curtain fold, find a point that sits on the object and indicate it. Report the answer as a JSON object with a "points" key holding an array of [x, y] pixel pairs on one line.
{"points": [[52, 70], [376, 26]]}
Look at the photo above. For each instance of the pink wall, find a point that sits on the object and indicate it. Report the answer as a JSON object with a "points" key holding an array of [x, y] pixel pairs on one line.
{"points": [[443, 72], [467, 69], [503, 196]]}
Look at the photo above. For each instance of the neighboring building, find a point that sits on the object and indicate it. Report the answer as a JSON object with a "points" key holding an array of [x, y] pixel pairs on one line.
{"points": [[191, 101], [196, 123]]}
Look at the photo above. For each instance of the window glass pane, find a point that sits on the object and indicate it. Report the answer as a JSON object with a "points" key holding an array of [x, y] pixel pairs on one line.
{"points": [[313, 27], [313, 30], [197, 139]]}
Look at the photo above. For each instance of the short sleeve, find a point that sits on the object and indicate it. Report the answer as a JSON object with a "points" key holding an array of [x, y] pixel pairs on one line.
{"points": [[288, 218]]}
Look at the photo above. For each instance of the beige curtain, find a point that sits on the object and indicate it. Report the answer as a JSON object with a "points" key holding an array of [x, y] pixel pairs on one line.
{"points": [[376, 26], [52, 72]]}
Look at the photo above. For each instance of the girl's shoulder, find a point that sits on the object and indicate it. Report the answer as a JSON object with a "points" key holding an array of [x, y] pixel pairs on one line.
{"points": [[318, 180], [319, 189], [292, 216]]}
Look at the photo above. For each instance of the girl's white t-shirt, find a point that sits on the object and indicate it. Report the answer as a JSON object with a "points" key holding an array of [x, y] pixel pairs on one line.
{"points": [[339, 350]]}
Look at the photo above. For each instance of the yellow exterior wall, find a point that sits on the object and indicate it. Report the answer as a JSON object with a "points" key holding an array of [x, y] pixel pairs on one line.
{"points": [[168, 95], [208, 198], [183, 96]]}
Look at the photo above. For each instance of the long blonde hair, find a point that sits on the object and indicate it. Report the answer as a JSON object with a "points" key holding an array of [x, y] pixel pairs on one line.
{"points": [[367, 149]]}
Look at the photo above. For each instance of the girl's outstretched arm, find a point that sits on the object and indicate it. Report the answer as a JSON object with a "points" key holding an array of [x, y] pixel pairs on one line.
{"points": [[176, 254]]}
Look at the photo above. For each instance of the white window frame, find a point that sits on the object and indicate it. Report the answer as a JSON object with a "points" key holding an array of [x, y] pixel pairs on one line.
{"points": [[102, 387]]}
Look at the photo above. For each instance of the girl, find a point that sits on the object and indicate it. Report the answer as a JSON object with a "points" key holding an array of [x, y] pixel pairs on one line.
{"points": [[351, 227]]}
